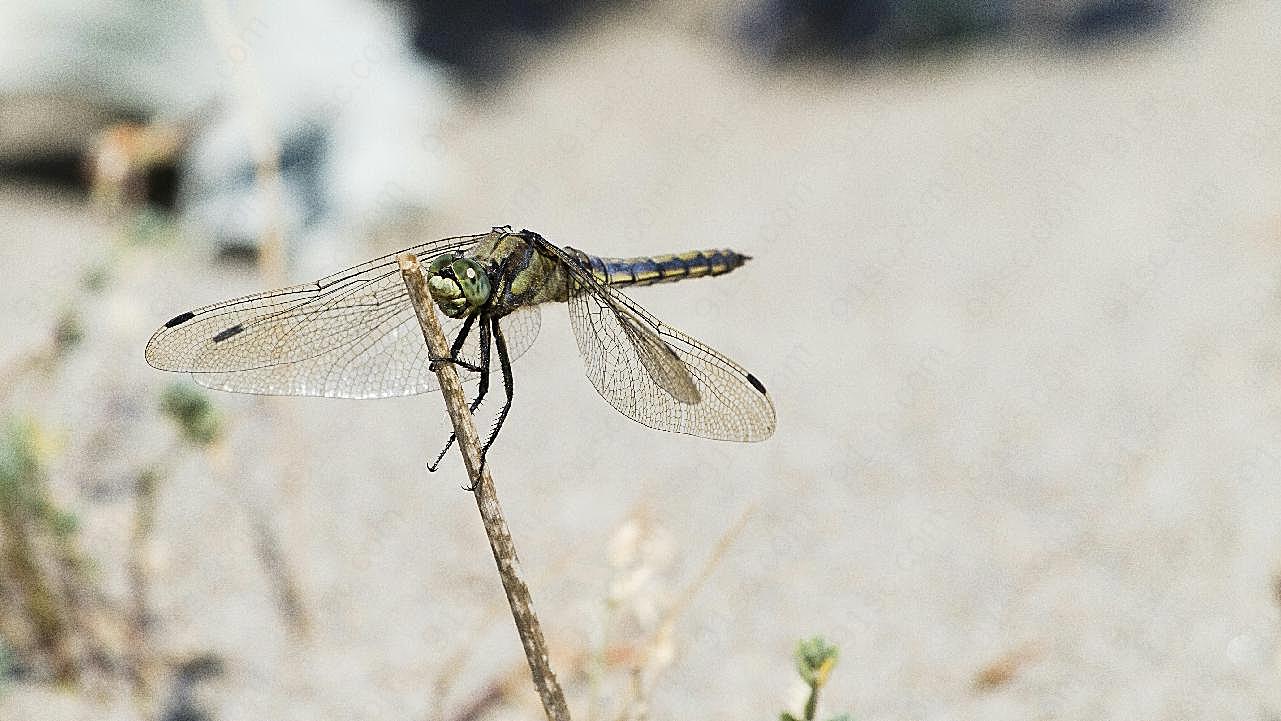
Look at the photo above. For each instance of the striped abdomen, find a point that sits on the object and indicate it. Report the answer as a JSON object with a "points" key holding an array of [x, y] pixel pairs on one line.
{"points": [[660, 268]]}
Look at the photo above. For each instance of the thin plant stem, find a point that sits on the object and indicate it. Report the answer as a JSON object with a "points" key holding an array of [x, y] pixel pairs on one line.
{"points": [[141, 659], [642, 686], [286, 591], [482, 485], [713, 560]]}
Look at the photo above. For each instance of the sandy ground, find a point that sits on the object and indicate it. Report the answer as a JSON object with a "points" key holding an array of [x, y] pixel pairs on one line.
{"points": [[1018, 311]]}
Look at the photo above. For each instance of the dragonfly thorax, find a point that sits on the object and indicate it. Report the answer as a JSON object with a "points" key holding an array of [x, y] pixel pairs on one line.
{"points": [[460, 286]]}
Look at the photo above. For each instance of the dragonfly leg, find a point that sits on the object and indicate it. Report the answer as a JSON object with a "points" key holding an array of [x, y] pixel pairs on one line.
{"points": [[483, 369], [457, 348], [458, 344], [505, 361]]}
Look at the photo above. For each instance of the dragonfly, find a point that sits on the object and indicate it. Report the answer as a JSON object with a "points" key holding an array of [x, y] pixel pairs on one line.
{"points": [[354, 334]]}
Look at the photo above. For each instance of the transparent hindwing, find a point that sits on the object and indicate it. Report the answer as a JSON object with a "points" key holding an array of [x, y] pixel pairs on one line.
{"points": [[657, 375]]}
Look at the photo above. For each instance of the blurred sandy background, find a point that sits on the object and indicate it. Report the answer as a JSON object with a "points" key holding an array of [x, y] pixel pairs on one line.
{"points": [[1016, 304]]}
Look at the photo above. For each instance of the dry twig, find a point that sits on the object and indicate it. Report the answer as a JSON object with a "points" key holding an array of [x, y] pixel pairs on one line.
{"points": [[482, 485]]}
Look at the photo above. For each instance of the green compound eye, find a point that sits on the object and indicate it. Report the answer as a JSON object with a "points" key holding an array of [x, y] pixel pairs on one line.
{"points": [[440, 262], [474, 281], [460, 286]]}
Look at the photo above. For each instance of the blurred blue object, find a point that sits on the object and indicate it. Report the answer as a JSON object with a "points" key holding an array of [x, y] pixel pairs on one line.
{"points": [[474, 36], [1109, 17], [785, 29]]}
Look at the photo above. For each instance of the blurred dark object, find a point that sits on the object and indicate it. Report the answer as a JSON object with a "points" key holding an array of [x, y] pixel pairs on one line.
{"points": [[185, 702], [792, 29], [136, 163], [1104, 19], [113, 157], [481, 39], [783, 29]]}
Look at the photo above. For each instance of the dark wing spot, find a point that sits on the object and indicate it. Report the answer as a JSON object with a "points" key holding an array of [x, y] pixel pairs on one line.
{"points": [[176, 320], [755, 383], [225, 334]]}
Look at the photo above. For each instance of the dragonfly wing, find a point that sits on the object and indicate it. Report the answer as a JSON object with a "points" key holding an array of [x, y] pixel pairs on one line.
{"points": [[660, 361], [391, 360], [350, 335], [657, 375]]}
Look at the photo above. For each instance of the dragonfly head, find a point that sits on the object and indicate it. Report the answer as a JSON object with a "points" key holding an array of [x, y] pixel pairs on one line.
{"points": [[460, 286]]}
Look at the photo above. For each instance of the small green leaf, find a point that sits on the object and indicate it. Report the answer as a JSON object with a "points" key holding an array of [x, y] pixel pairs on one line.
{"points": [[8, 661], [196, 417], [96, 279], [19, 459], [815, 659], [68, 332], [63, 523]]}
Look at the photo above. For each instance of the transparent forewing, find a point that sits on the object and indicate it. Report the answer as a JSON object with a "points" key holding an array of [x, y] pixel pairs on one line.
{"points": [[351, 335], [391, 360], [657, 375]]}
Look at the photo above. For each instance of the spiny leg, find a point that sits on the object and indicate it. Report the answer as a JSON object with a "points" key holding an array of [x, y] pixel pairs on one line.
{"points": [[457, 348], [483, 369], [484, 364], [505, 361], [463, 332]]}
